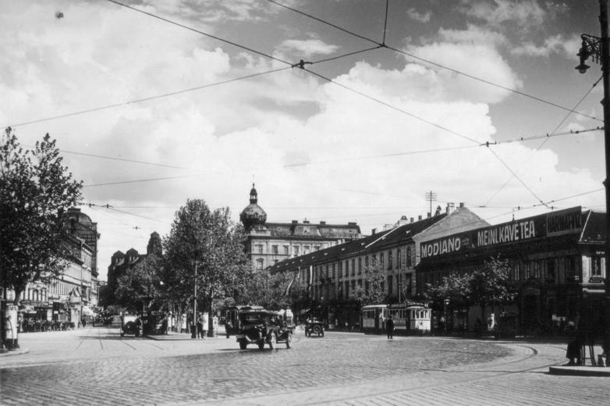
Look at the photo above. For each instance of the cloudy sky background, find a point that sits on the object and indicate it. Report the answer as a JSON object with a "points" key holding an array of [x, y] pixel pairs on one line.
{"points": [[199, 99]]}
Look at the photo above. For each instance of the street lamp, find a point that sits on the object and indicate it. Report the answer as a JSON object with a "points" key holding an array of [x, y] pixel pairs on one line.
{"points": [[598, 50]]}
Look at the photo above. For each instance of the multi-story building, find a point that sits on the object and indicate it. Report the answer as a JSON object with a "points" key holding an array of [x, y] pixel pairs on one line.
{"points": [[333, 273], [121, 262], [556, 260], [73, 293], [269, 243]]}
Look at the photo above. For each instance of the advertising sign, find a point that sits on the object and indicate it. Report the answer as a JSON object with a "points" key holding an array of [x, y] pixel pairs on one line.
{"points": [[551, 224]]}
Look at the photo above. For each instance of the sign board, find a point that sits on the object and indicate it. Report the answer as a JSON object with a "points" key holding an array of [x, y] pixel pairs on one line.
{"points": [[551, 224]]}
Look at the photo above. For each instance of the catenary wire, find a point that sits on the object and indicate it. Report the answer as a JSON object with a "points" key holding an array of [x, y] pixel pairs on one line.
{"points": [[145, 99], [384, 45]]}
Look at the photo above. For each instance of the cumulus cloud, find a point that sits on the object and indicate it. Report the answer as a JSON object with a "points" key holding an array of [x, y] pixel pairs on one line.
{"points": [[524, 13], [418, 16], [364, 148]]}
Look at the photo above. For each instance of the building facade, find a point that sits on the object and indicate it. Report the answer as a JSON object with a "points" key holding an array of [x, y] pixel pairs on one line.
{"points": [[555, 259], [333, 274], [73, 294], [121, 262], [269, 243]]}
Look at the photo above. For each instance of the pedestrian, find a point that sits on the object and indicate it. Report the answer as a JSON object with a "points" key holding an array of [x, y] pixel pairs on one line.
{"points": [[199, 327], [205, 321], [389, 326]]}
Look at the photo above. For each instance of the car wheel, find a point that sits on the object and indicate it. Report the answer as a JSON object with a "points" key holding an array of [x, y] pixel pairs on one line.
{"points": [[272, 341], [289, 340], [243, 344], [317, 330]]}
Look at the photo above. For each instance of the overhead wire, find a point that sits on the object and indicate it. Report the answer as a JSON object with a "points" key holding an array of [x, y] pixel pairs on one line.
{"points": [[458, 72], [554, 131], [145, 99]]}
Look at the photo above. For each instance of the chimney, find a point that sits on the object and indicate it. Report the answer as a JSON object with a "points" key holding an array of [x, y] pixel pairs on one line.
{"points": [[419, 219], [295, 222], [438, 211], [412, 219], [322, 223], [461, 205], [374, 231], [450, 208]]}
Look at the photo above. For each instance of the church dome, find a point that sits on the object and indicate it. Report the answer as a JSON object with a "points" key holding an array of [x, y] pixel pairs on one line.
{"points": [[253, 214]]}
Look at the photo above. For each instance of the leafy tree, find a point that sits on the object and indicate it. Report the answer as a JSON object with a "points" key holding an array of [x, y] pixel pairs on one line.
{"points": [[273, 291], [204, 255], [456, 288], [35, 191], [140, 285], [374, 289], [491, 284]]}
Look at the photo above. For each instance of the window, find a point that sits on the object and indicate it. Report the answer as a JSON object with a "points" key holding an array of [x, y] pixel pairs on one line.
{"points": [[260, 264], [286, 250], [340, 269], [596, 266], [353, 267], [360, 266], [366, 261], [333, 268], [381, 260], [259, 248], [297, 250], [399, 258], [550, 270], [346, 269], [306, 249], [408, 257], [274, 249], [390, 259], [316, 248]]}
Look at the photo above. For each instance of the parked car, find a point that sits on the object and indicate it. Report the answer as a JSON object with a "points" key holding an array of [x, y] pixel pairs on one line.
{"points": [[313, 326], [262, 327], [131, 324]]}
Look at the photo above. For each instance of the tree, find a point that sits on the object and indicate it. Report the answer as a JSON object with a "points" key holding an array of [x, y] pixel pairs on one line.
{"points": [[491, 284], [140, 285], [35, 191], [456, 288], [273, 291], [204, 254], [374, 290]]}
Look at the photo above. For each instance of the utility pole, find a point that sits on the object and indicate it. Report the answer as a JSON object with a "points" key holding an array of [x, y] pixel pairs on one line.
{"points": [[194, 328], [431, 197], [598, 50]]}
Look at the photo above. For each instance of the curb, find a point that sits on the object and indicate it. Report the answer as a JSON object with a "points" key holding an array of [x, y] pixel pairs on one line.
{"points": [[579, 371], [9, 353]]}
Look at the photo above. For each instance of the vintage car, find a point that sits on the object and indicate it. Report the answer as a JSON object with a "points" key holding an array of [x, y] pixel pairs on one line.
{"points": [[314, 326], [262, 327], [131, 324]]}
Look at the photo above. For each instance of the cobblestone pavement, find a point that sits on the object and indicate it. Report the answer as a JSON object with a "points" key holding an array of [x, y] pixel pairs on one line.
{"points": [[95, 366]]}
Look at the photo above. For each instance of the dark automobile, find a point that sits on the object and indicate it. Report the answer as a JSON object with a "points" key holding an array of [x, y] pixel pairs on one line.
{"points": [[262, 327], [131, 324], [313, 326]]}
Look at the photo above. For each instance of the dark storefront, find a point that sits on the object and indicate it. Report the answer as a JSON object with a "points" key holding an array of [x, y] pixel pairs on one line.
{"points": [[550, 256]]}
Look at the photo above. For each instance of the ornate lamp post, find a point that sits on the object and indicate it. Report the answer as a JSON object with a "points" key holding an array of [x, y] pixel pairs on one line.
{"points": [[598, 50]]}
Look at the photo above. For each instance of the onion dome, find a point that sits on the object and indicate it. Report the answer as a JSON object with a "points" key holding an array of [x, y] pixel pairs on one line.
{"points": [[253, 214]]}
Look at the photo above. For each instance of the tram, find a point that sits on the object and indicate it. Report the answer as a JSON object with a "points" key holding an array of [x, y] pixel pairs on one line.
{"points": [[409, 319]]}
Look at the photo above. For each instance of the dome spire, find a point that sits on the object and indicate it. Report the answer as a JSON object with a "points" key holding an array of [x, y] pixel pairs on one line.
{"points": [[253, 195], [253, 214]]}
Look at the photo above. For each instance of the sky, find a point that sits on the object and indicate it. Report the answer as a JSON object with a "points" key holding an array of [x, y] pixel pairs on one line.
{"points": [[153, 103]]}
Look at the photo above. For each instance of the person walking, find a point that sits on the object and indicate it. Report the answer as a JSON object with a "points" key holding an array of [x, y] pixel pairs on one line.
{"points": [[199, 327], [389, 326]]}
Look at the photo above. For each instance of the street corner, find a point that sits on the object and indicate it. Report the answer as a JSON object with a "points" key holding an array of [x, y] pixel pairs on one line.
{"points": [[579, 370]]}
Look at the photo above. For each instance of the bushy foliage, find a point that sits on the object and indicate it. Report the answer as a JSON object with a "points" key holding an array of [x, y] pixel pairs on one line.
{"points": [[35, 192]]}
